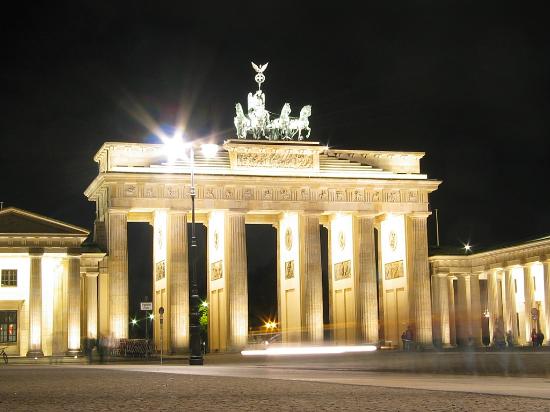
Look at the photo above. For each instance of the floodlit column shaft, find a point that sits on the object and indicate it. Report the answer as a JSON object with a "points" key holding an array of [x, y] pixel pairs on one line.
{"points": [[178, 276], [419, 277], [475, 310], [492, 301], [528, 287], [436, 312], [365, 278], [463, 312], [311, 279], [118, 274], [91, 306], [444, 310], [35, 307], [511, 323], [235, 253], [546, 273], [73, 305], [452, 317]]}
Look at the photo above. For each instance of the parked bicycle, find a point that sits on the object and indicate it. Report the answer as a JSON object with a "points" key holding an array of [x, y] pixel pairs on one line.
{"points": [[4, 354]]}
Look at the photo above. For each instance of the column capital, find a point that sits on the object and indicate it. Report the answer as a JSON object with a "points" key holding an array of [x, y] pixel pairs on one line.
{"points": [[36, 252], [419, 215], [178, 212], [118, 211], [368, 215]]}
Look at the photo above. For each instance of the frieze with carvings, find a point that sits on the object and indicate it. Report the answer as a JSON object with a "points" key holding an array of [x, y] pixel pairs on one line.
{"points": [[394, 270], [342, 270], [216, 270], [264, 193]]}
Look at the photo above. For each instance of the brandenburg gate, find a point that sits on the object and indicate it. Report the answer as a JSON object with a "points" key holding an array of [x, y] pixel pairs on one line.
{"points": [[373, 203]]}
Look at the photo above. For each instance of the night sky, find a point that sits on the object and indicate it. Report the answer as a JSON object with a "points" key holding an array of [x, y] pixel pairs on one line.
{"points": [[465, 82]]}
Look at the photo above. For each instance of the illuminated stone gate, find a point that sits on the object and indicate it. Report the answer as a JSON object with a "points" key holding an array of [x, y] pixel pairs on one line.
{"points": [[296, 187], [374, 205]]}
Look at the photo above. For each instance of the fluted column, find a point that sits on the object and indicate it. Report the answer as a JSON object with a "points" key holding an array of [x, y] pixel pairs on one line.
{"points": [[311, 279], [436, 310], [35, 305], [452, 317], [91, 305], [235, 252], [528, 289], [419, 277], [118, 274], [511, 311], [546, 273], [444, 310], [475, 309], [365, 279], [73, 305], [178, 277], [492, 301], [463, 309]]}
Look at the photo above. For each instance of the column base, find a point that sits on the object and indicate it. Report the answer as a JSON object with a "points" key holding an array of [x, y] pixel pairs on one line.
{"points": [[196, 360], [73, 352], [35, 354]]}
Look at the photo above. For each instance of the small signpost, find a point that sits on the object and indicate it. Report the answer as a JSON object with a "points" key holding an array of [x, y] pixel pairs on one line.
{"points": [[161, 313], [146, 306]]}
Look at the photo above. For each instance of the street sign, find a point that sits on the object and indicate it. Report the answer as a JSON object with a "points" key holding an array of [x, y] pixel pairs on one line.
{"points": [[146, 305]]}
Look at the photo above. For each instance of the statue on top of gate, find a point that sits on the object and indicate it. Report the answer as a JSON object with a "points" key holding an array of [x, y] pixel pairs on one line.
{"points": [[257, 124]]}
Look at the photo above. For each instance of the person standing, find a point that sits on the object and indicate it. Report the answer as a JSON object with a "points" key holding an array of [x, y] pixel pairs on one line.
{"points": [[409, 338]]}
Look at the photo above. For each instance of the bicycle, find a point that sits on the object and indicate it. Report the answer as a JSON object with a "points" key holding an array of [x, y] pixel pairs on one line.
{"points": [[3, 354]]}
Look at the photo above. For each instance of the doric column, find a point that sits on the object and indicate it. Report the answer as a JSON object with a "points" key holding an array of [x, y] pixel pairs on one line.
{"points": [[511, 322], [35, 305], [118, 274], [73, 305], [91, 305], [436, 310], [444, 310], [529, 291], [492, 301], [546, 269], [178, 277], [463, 309], [452, 322], [365, 279], [475, 309], [235, 252], [419, 277], [311, 278]]}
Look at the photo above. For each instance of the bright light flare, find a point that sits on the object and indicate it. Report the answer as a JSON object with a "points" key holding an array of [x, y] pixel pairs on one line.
{"points": [[467, 247], [209, 150], [308, 350], [175, 148], [134, 322], [151, 316]]}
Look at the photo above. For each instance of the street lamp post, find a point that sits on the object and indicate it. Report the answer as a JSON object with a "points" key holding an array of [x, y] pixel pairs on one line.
{"points": [[177, 149], [194, 328]]}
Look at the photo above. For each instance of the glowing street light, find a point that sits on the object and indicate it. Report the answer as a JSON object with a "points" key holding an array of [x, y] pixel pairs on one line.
{"points": [[177, 149], [134, 322], [467, 248], [151, 316]]}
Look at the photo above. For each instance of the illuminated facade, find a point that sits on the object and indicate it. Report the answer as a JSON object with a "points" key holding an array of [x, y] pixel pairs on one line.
{"points": [[47, 287], [479, 295], [374, 205]]}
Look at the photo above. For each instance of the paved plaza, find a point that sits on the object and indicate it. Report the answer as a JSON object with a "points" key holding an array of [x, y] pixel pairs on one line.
{"points": [[228, 382]]}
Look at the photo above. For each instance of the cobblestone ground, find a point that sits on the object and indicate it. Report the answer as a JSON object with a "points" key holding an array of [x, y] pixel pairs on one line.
{"points": [[61, 388]]}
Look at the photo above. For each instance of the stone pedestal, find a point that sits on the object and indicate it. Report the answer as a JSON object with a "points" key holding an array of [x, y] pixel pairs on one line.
{"points": [[178, 277], [118, 274], [311, 286], [35, 306]]}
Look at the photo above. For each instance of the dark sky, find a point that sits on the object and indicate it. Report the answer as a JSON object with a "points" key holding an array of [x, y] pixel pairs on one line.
{"points": [[466, 82]]}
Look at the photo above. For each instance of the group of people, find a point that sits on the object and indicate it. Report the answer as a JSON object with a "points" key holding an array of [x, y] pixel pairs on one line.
{"points": [[407, 339], [536, 338]]}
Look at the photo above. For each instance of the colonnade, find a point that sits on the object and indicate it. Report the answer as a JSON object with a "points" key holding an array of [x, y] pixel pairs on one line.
{"points": [[356, 277], [513, 298]]}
